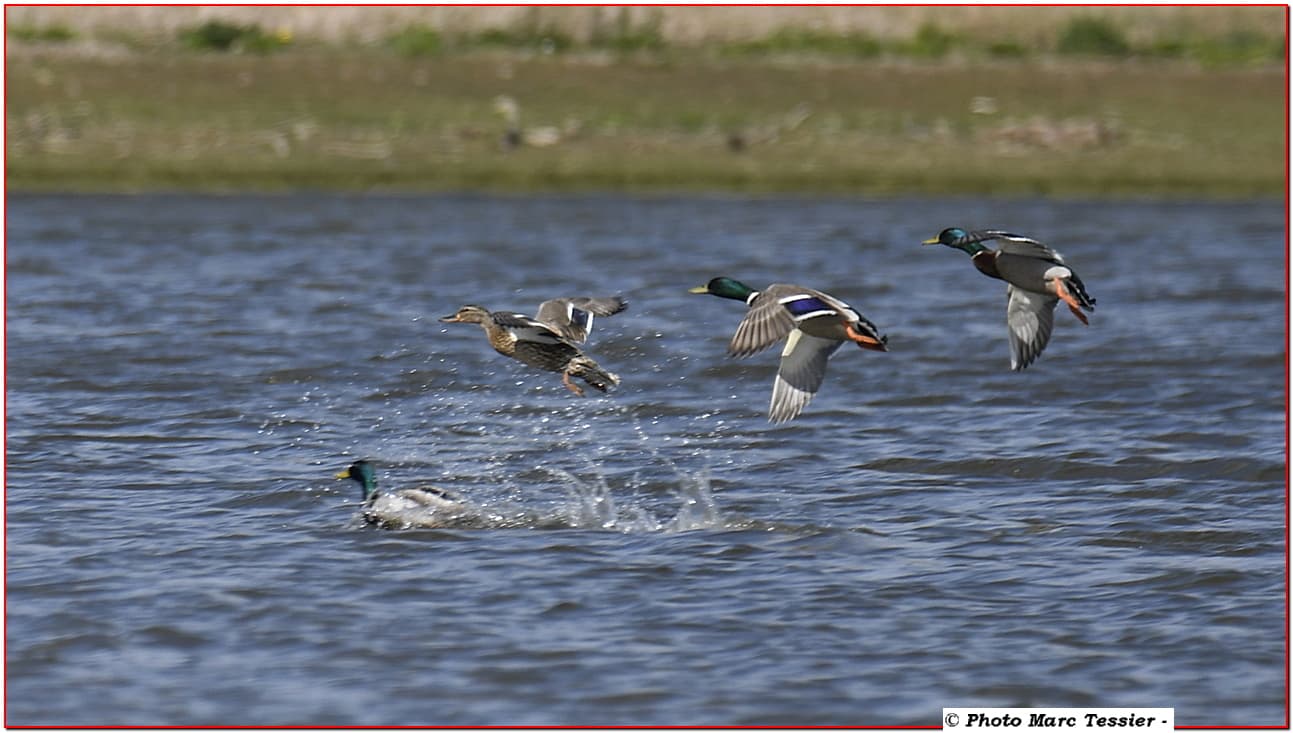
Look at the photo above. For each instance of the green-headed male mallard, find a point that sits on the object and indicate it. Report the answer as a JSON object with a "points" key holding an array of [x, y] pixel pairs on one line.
{"points": [[425, 506], [549, 340], [814, 325], [1036, 279]]}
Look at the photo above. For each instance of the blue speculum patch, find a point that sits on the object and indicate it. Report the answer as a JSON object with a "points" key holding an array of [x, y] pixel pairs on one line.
{"points": [[806, 305]]}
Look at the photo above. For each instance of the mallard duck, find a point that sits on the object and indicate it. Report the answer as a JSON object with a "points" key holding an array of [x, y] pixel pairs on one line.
{"points": [[425, 506], [814, 325], [1036, 279], [550, 340]]}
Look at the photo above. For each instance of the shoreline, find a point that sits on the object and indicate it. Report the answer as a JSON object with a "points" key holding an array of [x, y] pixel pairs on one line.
{"points": [[317, 119]]}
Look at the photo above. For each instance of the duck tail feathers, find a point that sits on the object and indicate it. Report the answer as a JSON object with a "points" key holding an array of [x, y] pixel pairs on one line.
{"points": [[868, 336], [1079, 291]]}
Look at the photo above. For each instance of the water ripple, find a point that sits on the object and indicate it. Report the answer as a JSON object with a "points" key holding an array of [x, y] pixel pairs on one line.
{"points": [[1104, 528]]}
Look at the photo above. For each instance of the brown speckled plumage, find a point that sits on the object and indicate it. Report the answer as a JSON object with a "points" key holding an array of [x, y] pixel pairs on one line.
{"points": [[548, 342]]}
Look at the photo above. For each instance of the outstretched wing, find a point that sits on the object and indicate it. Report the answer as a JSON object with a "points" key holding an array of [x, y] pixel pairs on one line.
{"points": [[1017, 244], [800, 375], [573, 317], [807, 303], [766, 323], [527, 329], [778, 310], [1029, 318]]}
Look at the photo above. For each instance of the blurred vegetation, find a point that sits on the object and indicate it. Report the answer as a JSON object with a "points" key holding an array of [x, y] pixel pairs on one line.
{"points": [[535, 105], [930, 42], [1090, 36], [1240, 48], [217, 35], [524, 38], [625, 36], [1007, 50], [417, 40], [801, 40], [1084, 36], [41, 34]]}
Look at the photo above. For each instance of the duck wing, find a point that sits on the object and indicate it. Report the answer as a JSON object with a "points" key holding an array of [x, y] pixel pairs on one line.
{"points": [[528, 329], [777, 310], [573, 317], [800, 374], [1020, 261], [806, 303], [1029, 319], [434, 496], [766, 323], [1017, 244], [1023, 246]]}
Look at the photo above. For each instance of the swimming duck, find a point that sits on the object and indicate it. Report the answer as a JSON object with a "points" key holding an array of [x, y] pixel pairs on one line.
{"points": [[814, 325], [425, 506], [550, 340], [1036, 279]]}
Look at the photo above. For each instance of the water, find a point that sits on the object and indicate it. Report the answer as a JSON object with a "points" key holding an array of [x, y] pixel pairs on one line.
{"points": [[186, 374]]}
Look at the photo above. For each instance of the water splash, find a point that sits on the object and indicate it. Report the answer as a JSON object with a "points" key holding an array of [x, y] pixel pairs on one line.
{"points": [[592, 504]]}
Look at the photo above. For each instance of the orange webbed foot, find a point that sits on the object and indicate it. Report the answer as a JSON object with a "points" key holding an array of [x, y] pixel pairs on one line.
{"points": [[1078, 312], [565, 379], [1070, 301], [864, 340]]}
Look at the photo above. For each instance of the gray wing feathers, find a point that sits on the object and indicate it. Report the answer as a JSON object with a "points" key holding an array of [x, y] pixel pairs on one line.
{"points": [[573, 317], [1019, 245], [600, 306], [766, 323], [431, 496], [800, 375], [1029, 318]]}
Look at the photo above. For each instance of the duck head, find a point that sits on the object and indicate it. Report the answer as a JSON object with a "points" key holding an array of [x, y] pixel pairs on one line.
{"points": [[467, 314], [724, 287], [958, 238], [362, 472]]}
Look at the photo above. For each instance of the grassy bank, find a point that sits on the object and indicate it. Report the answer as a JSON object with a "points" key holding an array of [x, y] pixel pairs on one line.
{"points": [[371, 117], [1153, 29]]}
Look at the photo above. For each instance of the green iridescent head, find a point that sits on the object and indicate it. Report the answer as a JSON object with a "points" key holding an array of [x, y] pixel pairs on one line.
{"points": [[362, 472], [725, 287], [957, 238]]}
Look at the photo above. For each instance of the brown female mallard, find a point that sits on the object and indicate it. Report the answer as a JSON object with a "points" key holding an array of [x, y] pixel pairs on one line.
{"points": [[550, 340]]}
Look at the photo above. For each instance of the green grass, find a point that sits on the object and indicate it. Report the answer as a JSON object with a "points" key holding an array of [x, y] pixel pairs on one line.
{"points": [[42, 34], [1220, 35], [1240, 48], [1007, 49], [806, 41], [323, 119], [217, 35], [1090, 36], [417, 40], [931, 42], [624, 36], [1209, 37]]}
